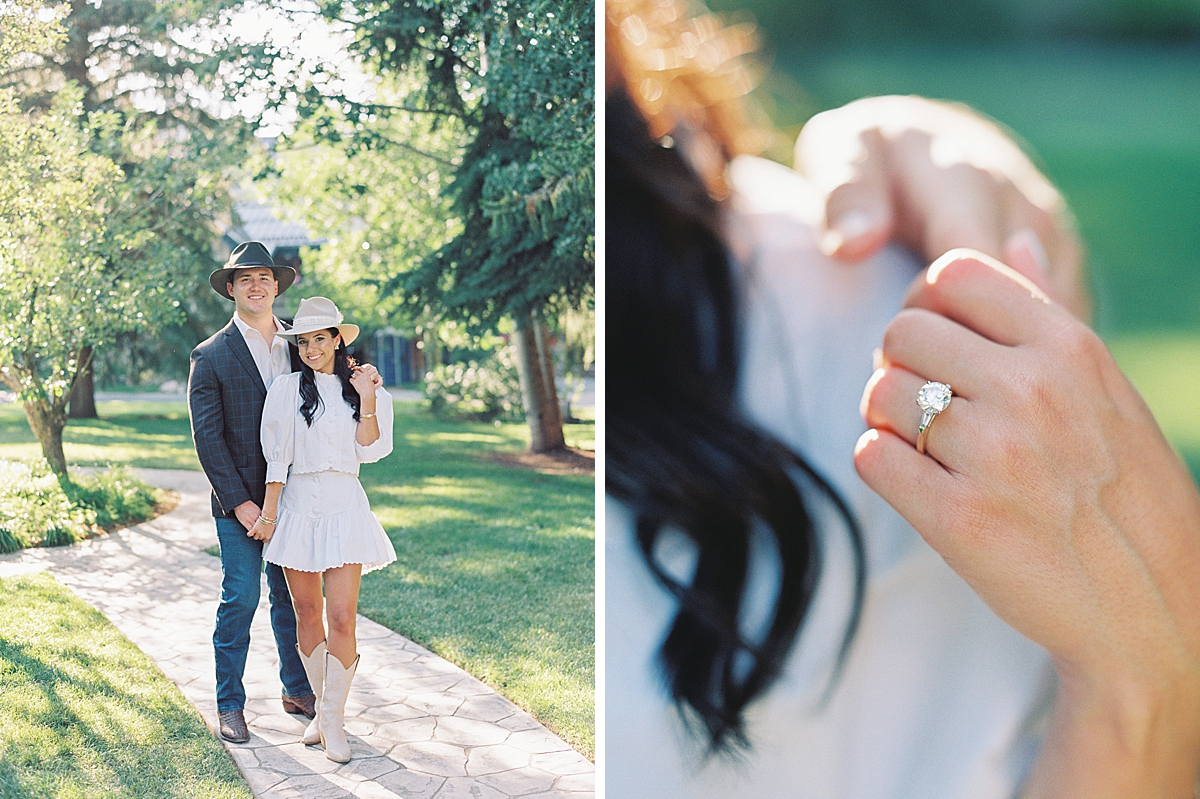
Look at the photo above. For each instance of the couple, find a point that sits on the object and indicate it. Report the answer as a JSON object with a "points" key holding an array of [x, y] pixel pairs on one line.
{"points": [[280, 431]]}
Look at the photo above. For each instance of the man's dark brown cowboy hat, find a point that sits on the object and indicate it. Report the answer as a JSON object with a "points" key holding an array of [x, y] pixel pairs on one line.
{"points": [[246, 255]]}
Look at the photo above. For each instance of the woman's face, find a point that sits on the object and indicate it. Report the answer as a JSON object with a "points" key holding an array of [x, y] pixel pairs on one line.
{"points": [[317, 349]]}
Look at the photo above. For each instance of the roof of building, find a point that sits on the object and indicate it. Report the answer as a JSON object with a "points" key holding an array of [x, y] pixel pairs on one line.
{"points": [[259, 223]]}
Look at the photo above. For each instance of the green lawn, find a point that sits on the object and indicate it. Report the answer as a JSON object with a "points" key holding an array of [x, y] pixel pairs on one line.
{"points": [[86, 715], [153, 435], [495, 568]]}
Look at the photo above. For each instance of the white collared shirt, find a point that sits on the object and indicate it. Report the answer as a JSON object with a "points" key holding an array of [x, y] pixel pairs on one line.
{"points": [[271, 362]]}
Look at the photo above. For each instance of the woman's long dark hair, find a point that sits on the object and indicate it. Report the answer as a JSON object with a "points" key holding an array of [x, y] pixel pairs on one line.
{"points": [[343, 367], [680, 454]]}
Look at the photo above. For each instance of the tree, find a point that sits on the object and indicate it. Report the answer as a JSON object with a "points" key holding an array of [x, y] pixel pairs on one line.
{"points": [[518, 75], [150, 67], [68, 246], [379, 206]]}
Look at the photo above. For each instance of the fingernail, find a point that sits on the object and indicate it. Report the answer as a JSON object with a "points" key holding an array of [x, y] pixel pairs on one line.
{"points": [[1026, 239], [848, 227]]}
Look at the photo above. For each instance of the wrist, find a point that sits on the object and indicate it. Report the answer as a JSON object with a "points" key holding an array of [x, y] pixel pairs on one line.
{"points": [[1120, 735]]}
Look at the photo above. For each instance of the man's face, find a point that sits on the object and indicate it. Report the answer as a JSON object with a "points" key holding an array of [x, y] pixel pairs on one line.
{"points": [[254, 289]]}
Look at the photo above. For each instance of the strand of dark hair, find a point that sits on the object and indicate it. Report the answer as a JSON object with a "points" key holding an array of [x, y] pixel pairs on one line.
{"points": [[343, 367], [679, 452]]}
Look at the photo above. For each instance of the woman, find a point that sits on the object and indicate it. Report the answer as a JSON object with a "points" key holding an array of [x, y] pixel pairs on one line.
{"points": [[773, 628], [318, 425]]}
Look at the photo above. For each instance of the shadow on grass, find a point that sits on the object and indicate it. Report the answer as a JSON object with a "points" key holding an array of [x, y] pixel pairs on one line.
{"points": [[495, 566], [87, 714], [154, 438]]}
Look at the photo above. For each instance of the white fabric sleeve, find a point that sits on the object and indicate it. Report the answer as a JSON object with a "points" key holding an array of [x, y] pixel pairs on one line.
{"points": [[278, 432], [382, 446]]}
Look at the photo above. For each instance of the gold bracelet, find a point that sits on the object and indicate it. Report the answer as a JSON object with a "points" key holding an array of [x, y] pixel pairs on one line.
{"points": [[265, 520], [366, 416]]}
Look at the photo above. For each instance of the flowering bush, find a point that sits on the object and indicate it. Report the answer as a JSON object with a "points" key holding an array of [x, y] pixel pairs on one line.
{"points": [[486, 391]]}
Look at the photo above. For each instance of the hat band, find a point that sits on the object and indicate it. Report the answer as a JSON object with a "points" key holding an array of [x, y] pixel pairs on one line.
{"points": [[317, 322]]}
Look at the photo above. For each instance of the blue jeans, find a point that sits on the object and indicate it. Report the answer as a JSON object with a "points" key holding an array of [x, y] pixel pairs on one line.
{"points": [[241, 581]]}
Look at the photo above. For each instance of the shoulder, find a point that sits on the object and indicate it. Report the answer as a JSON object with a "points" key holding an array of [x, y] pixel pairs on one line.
{"points": [[214, 343], [285, 384]]}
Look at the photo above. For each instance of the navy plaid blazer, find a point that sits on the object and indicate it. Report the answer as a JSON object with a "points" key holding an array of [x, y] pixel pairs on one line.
{"points": [[225, 400]]}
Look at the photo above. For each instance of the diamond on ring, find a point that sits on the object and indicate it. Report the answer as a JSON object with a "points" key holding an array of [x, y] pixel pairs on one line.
{"points": [[933, 398]]}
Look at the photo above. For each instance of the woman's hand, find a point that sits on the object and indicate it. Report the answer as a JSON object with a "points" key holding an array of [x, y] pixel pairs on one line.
{"points": [[261, 531], [365, 379], [1048, 487], [935, 176]]}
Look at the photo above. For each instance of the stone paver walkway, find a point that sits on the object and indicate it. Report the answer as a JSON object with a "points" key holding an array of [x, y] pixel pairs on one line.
{"points": [[419, 727]]}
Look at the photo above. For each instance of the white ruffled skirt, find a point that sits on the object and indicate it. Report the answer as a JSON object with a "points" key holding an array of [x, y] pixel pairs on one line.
{"points": [[325, 521]]}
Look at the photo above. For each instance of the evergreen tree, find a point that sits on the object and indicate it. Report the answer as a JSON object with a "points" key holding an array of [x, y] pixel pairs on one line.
{"points": [[518, 75]]}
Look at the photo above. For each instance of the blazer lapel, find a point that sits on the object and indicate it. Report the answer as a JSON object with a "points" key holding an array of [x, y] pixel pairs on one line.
{"points": [[237, 343]]}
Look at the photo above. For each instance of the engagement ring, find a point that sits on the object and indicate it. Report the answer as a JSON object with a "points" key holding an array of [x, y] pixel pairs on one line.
{"points": [[933, 398]]}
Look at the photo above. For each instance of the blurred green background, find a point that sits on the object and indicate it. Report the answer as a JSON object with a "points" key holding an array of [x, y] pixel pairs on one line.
{"points": [[1105, 92]]}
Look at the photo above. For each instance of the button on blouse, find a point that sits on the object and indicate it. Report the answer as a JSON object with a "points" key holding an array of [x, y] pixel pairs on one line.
{"points": [[288, 441]]}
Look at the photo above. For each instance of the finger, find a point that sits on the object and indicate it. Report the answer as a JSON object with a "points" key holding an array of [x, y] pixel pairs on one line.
{"points": [[941, 207], [1025, 254], [889, 403], [984, 295], [919, 488], [934, 347], [851, 171]]}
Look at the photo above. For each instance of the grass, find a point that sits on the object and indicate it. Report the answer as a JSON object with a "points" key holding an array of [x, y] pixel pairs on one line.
{"points": [[495, 568], [495, 565], [152, 435], [86, 714], [1165, 367]]}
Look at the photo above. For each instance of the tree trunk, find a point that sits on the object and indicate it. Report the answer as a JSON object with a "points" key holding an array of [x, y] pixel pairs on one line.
{"points": [[542, 336], [541, 410], [83, 393], [47, 423]]}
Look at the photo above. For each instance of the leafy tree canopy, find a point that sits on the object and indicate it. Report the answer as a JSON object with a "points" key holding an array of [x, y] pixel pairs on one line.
{"points": [[516, 75]]}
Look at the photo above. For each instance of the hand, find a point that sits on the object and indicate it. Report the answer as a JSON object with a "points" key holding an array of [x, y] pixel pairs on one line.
{"points": [[261, 531], [933, 177], [247, 514], [365, 379], [1049, 488]]}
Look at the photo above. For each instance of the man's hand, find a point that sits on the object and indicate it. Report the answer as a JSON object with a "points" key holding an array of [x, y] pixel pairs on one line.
{"points": [[934, 176], [365, 379], [247, 514]]}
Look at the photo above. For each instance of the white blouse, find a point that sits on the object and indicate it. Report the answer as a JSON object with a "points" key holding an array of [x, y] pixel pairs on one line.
{"points": [[329, 444]]}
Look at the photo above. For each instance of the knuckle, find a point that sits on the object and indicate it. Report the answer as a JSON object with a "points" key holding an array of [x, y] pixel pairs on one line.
{"points": [[901, 330]]}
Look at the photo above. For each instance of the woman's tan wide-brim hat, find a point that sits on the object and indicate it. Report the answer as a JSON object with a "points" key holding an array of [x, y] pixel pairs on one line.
{"points": [[319, 313], [248, 255]]}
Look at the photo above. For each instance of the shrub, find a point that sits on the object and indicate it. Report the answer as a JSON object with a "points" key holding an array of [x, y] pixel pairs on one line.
{"points": [[34, 508], [486, 391], [37, 510], [115, 496]]}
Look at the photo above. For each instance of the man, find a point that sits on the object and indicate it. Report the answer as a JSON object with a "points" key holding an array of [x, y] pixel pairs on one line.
{"points": [[229, 378]]}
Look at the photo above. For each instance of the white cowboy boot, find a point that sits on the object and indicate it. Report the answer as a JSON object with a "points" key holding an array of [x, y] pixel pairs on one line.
{"points": [[314, 667], [333, 708]]}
